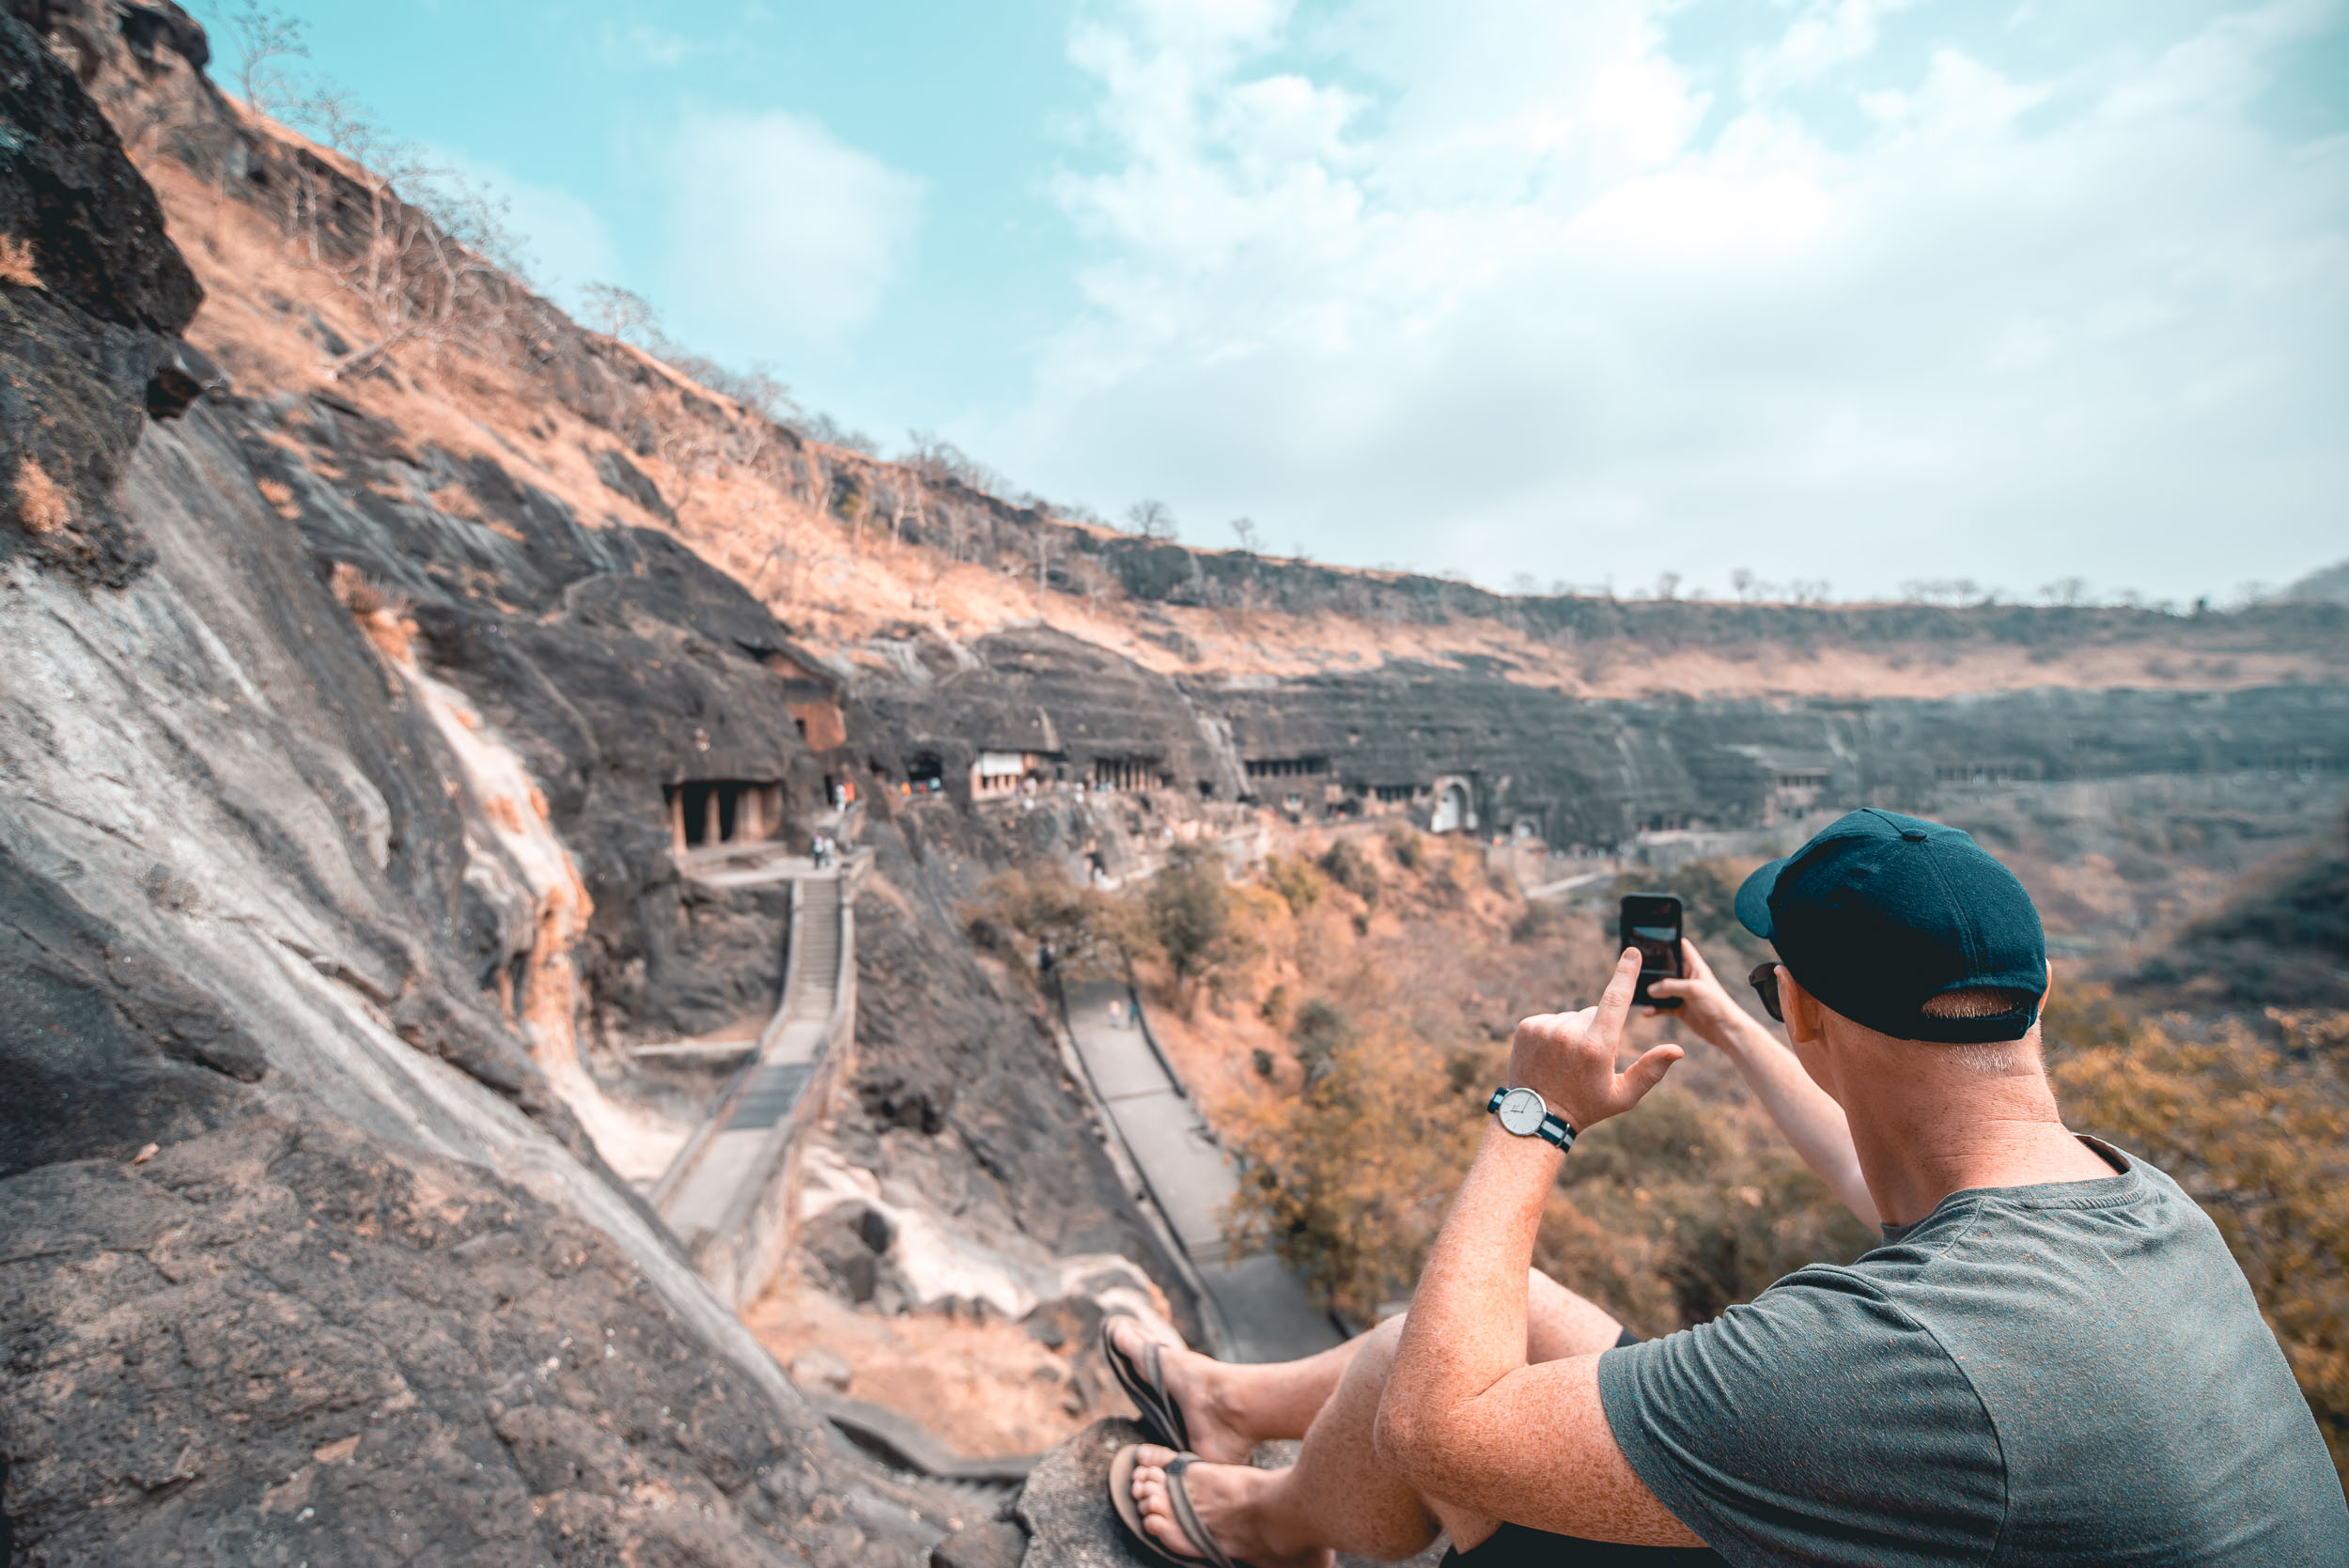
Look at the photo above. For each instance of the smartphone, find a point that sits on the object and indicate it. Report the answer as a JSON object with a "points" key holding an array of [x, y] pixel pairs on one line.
{"points": [[1650, 923]]}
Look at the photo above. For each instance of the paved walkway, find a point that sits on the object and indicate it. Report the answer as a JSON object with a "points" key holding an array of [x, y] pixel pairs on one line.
{"points": [[744, 865], [1265, 1309], [735, 1154], [1567, 884]]}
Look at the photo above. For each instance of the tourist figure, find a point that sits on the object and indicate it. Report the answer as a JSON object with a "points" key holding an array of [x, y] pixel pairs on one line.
{"points": [[1117, 1012], [2051, 1358]]}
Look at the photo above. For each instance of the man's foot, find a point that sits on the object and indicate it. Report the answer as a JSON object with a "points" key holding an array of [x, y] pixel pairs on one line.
{"points": [[1202, 1386], [1235, 1504]]}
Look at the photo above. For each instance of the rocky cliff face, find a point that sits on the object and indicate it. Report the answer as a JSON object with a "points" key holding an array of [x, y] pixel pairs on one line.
{"points": [[335, 834], [1570, 769]]}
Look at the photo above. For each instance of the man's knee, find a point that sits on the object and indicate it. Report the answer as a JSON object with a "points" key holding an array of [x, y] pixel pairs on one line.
{"points": [[1380, 1341]]}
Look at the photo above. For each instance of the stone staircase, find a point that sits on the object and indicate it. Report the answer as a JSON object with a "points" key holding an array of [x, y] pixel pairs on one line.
{"points": [[721, 1194]]}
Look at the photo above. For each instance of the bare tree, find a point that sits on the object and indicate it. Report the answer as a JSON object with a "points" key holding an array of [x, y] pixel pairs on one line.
{"points": [[2065, 590], [1250, 540], [265, 36], [1668, 585], [621, 313], [1152, 520], [1942, 590], [759, 390], [427, 266]]}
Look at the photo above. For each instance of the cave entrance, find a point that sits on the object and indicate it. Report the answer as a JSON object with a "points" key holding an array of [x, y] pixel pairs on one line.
{"points": [[1128, 773], [1453, 813], [1286, 767], [926, 774], [706, 813]]}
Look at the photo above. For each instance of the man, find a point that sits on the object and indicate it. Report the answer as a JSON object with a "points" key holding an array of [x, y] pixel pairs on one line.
{"points": [[2051, 1359]]}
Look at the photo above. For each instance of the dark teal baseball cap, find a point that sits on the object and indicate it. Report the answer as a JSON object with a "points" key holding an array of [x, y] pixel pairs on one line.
{"points": [[1880, 913]]}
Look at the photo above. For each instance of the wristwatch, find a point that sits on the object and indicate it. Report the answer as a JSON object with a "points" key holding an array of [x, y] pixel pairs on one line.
{"points": [[1523, 1112]]}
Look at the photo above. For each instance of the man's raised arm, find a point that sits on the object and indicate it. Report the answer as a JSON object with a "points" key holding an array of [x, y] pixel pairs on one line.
{"points": [[1805, 1114], [1464, 1418]]}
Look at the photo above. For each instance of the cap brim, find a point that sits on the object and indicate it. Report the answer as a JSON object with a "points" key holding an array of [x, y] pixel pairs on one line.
{"points": [[1753, 898]]}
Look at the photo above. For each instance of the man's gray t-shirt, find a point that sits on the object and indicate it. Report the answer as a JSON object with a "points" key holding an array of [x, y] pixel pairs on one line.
{"points": [[2068, 1374]]}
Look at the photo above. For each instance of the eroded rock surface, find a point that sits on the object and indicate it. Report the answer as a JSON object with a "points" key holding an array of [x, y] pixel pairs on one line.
{"points": [[282, 1338], [294, 1224]]}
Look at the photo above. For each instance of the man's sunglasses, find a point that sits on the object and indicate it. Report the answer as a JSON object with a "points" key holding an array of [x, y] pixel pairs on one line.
{"points": [[1764, 979]]}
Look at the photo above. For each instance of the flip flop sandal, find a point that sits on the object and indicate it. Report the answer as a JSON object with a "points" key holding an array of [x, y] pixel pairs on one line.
{"points": [[1122, 1469], [1145, 1385]]}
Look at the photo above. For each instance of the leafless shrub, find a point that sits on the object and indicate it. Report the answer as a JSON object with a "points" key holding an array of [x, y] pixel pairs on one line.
{"points": [[940, 461], [265, 36], [831, 432], [425, 255]]}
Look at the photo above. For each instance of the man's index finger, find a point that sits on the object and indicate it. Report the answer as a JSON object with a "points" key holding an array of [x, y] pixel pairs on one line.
{"points": [[1615, 1004]]}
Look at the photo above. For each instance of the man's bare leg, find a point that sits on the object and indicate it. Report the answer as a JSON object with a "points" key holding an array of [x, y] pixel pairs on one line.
{"points": [[1339, 1496]]}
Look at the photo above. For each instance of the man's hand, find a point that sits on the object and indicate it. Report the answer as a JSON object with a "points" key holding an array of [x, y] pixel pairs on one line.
{"points": [[1707, 1007], [1569, 1058]]}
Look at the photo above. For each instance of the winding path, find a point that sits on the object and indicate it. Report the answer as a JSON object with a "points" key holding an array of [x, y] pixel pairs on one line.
{"points": [[1265, 1315]]}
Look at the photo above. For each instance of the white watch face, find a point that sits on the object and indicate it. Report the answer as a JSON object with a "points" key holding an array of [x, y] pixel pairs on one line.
{"points": [[1522, 1112]]}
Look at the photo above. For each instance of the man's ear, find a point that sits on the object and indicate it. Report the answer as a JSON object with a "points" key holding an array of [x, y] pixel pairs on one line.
{"points": [[1800, 1007]]}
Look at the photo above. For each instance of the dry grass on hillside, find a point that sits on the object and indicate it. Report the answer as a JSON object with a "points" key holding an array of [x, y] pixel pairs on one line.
{"points": [[842, 583]]}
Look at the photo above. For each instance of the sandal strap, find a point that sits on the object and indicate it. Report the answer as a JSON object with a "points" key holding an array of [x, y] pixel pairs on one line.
{"points": [[1187, 1515], [1172, 1412]]}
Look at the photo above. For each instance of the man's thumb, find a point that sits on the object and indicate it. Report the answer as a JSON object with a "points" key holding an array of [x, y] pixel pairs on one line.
{"points": [[1647, 1072]]}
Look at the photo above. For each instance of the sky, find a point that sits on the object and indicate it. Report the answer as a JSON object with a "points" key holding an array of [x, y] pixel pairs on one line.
{"points": [[1848, 294]]}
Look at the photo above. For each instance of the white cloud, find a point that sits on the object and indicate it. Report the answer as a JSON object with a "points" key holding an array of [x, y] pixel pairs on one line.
{"points": [[779, 236], [1827, 35], [1515, 314]]}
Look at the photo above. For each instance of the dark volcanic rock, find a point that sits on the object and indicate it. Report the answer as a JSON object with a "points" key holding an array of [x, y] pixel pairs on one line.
{"points": [[92, 295], [625, 479], [121, 1050], [93, 225], [1064, 1507], [281, 1337]]}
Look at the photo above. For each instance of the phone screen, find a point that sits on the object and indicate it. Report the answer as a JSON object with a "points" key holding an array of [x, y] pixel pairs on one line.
{"points": [[1650, 923]]}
